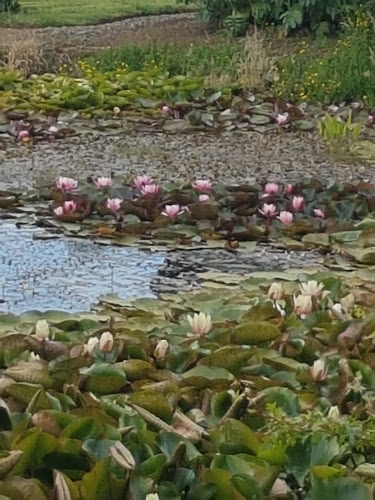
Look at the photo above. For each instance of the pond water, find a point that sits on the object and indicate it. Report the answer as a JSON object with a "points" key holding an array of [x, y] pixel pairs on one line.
{"points": [[68, 274]]}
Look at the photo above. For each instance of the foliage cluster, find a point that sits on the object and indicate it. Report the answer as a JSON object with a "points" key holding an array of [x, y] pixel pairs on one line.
{"points": [[316, 15]]}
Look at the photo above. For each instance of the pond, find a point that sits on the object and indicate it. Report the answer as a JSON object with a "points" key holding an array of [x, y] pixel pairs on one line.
{"points": [[66, 274]]}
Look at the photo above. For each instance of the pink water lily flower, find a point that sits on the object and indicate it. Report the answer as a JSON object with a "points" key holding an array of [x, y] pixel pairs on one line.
{"points": [[58, 211], [66, 184], [203, 198], [271, 188], [319, 213], [172, 211], [285, 217], [202, 185], [114, 204], [166, 110], [333, 108], [142, 180], [23, 135], [298, 202], [69, 207], [103, 182], [151, 189], [289, 188], [282, 118], [268, 210]]}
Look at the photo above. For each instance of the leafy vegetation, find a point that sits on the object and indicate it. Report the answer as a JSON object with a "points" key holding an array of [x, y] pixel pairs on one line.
{"points": [[317, 15], [333, 71], [199, 59], [250, 391], [9, 6], [58, 13]]}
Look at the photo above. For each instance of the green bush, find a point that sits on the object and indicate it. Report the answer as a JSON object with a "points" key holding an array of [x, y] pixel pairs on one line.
{"points": [[332, 72], [9, 6], [317, 15]]}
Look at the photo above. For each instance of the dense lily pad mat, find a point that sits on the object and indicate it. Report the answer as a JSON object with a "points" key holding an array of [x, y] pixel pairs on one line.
{"points": [[335, 217], [266, 391]]}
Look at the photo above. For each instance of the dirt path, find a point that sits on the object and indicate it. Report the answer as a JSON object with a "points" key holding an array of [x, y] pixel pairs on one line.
{"points": [[175, 28]]}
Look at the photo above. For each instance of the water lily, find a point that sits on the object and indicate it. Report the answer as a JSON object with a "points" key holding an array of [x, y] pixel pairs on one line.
{"points": [[69, 207], [319, 370], [298, 202], [58, 211], [268, 210], [285, 217], [23, 135], [42, 330], [90, 345], [203, 198], [202, 185], [34, 357], [201, 323], [271, 188], [334, 413], [161, 349], [333, 108], [151, 189], [106, 342], [289, 188], [276, 291], [312, 288], [152, 496], [66, 184], [371, 119], [114, 204], [303, 305], [103, 182], [172, 211], [166, 110], [142, 180], [319, 213], [282, 118]]}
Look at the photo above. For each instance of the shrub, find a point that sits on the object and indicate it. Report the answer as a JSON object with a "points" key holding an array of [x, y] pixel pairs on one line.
{"points": [[9, 6], [317, 15]]}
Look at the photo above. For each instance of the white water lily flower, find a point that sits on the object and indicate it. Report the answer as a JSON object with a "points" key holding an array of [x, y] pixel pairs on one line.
{"points": [[90, 345], [303, 305], [161, 349], [312, 288], [42, 330], [334, 413], [276, 291], [106, 342], [201, 323], [319, 370]]}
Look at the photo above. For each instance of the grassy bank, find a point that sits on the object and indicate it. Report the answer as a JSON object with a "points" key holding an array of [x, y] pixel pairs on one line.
{"points": [[59, 13]]}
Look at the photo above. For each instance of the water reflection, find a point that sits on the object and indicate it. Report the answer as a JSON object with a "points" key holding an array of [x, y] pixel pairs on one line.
{"points": [[66, 274]]}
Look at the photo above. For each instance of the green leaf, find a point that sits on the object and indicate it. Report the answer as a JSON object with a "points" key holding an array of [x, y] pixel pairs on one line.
{"points": [[345, 488], [99, 484], [35, 444], [255, 333], [85, 428]]}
